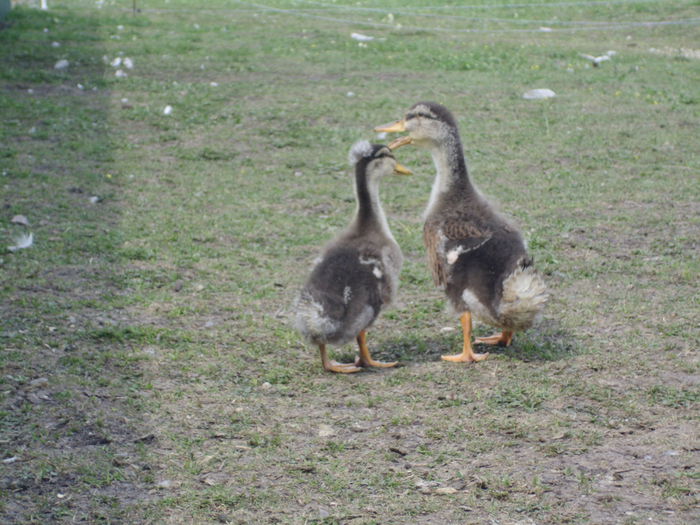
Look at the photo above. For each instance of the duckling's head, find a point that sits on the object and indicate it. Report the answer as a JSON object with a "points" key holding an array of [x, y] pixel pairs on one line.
{"points": [[374, 160], [428, 124]]}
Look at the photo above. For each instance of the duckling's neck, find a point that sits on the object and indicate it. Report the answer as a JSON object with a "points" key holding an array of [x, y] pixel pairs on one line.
{"points": [[369, 214], [452, 176]]}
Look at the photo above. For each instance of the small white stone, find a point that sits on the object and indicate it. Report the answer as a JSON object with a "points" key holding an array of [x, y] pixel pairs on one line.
{"points": [[128, 63], [350, 94], [361, 38], [61, 64], [538, 94], [116, 62], [167, 110], [80, 87], [7, 461], [120, 74], [214, 84], [39, 381], [325, 431], [446, 490], [55, 44], [21, 219]]}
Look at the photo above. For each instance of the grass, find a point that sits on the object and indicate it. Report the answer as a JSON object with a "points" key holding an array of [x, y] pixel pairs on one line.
{"points": [[149, 370]]}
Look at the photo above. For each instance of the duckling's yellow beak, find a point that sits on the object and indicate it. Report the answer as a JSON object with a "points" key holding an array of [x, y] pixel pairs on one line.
{"points": [[396, 127], [400, 169], [401, 141]]}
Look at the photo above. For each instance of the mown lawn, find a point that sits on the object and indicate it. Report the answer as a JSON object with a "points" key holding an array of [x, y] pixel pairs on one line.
{"points": [[149, 370]]}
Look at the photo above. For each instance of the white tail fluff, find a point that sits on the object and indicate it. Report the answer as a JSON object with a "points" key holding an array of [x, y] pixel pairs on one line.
{"points": [[311, 321], [524, 297]]}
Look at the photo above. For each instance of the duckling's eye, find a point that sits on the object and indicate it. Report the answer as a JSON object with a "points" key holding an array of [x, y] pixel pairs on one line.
{"points": [[383, 153], [422, 115]]}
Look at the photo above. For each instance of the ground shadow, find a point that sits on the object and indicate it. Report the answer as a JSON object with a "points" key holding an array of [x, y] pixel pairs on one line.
{"points": [[546, 342], [68, 386]]}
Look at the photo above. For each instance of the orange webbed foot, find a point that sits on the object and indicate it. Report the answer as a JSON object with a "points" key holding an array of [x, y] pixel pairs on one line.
{"points": [[341, 368], [468, 355], [465, 357], [334, 366], [502, 339], [371, 362], [365, 359]]}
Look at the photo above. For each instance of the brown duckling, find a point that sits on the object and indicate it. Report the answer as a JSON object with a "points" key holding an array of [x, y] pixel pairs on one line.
{"points": [[475, 254]]}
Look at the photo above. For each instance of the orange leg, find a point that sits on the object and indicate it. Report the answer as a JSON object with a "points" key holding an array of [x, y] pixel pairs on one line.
{"points": [[365, 359], [502, 339], [333, 366], [467, 355]]}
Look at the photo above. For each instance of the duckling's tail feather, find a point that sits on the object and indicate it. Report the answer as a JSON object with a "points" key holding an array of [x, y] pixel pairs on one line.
{"points": [[311, 322], [331, 320], [524, 297]]}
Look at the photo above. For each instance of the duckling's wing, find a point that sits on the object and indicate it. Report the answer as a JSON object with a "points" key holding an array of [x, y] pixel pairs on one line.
{"points": [[447, 240]]}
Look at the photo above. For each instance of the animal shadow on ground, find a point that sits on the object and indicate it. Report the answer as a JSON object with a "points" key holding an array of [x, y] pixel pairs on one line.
{"points": [[545, 342]]}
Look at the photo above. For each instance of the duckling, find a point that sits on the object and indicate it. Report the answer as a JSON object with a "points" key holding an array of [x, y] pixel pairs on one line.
{"points": [[475, 254], [357, 274]]}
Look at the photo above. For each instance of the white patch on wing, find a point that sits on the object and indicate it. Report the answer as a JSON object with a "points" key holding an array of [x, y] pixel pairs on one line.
{"points": [[368, 260], [454, 253], [347, 294], [376, 263]]}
